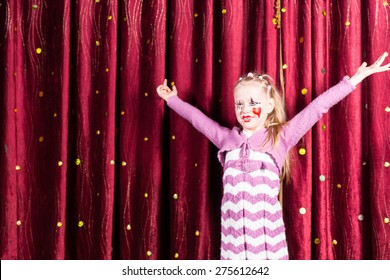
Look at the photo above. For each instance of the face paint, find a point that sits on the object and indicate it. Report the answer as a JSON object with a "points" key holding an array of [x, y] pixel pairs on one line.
{"points": [[257, 111]]}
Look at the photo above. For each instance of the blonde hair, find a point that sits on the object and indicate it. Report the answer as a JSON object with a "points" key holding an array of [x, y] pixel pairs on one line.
{"points": [[276, 119]]}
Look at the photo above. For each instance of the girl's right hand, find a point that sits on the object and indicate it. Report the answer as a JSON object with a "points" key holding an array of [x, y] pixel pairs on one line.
{"points": [[165, 92]]}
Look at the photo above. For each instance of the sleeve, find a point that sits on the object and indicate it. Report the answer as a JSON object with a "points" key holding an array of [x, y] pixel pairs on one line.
{"points": [[297, 127], [208, 127]]}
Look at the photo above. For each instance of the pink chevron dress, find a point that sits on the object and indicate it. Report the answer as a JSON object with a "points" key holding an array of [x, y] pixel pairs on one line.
{"points": [[252, 224]]}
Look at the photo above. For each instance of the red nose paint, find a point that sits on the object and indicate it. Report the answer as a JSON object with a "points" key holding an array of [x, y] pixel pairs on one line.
{"points": [[257, 111]]}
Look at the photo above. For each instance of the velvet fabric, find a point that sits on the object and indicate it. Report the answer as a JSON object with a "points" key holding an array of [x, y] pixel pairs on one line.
{"points": [[93, 164]]}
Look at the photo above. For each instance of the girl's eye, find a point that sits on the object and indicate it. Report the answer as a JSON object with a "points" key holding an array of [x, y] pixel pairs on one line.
{"points": [[253, 103]]}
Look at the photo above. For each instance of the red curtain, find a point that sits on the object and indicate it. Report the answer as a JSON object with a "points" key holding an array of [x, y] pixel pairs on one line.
{"points": [[93, 164]]}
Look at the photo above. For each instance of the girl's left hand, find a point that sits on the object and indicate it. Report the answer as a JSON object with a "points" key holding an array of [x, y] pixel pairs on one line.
{"points": [[364, 71]]}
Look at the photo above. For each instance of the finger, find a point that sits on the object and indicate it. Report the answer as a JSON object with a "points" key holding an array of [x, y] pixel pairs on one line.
{"points": [[364, 64], [174, 89], [381, 58]]}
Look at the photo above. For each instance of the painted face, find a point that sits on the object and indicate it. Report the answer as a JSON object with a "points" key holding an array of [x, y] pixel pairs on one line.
{"points": [[252, 105]]}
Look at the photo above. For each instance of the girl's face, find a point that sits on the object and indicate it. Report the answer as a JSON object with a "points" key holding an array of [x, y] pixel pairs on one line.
{"points": [[252, 105]]}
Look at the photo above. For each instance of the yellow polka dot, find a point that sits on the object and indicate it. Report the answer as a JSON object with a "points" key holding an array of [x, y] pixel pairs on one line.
{"points": [[334, 242], [17, 167], [323, 127], [172, 84], [284, 66], [97, 132], [59, 224], [38, 50], [40, 93], [35, 7], [196, 165], [123, 113], [173, 137], [317, 241], [112, 162], [124, 163], [339, 186], [146, 195], [283, 10], [275, 21], [78, 161], [387, 109], [176, 255], [59, 163], [301, 40], [304, 91], [347, 23], [302, 151], [146, 94], [386, 220], [385, 3], [387, 164], [16, 110], [196, 15], [110, 17], [146, 139], [324, 13], [55, 115], [224, 11], [41, 139], [148, 253], [302, 210], [128, 227], [175, 196], [97, 1], [80, 224], [197, 233], [18, 222]]}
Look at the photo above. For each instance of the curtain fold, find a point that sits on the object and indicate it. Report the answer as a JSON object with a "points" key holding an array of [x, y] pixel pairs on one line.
{"points": [[94, 165]]}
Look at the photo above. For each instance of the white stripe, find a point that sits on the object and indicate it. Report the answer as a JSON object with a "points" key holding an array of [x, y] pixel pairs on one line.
{"points": [[252, 225], [254, 241], [252, 190], [253, 155], [252, 208], [232, 256], [257, 173], [282, 252]]}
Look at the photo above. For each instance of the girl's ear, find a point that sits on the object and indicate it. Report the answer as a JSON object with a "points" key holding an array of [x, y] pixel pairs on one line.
{"points": [[271, 105]]}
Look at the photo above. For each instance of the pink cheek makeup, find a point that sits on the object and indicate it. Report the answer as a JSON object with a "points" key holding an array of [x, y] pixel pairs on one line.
{"points": [[257, 111]]}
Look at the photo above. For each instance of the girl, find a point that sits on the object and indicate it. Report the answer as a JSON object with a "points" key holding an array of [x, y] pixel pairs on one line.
{"points": [[253, 157]]}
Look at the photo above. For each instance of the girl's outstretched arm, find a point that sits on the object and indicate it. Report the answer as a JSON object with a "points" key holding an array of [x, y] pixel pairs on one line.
{"points": [[297, 127], [208, 127]]}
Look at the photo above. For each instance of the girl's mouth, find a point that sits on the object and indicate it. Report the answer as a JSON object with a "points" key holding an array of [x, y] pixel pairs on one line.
{"points": [[246, 118]]}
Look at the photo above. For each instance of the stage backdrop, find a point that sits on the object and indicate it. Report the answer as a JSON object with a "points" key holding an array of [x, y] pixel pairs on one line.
{"points": [[94, 165]]}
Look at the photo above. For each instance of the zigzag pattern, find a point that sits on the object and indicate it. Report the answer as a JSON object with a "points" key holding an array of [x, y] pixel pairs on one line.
{"points": [[251, 220]]}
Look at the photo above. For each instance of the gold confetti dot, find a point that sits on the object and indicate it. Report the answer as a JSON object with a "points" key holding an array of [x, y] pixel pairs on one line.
{"points": [[196, 165], [275, 21], [387, 164], [59, 163], [124, 163], [146, 94], [109, 17], [146, 139], [35, 7], [80, 224], [224, 11], [324, 13], [107, 69], [112, 162], [59, 224], [339, 186], [301, 40], [385, 3], [18, 222], [17, 167], [97, 132], [317, 241], [196, 15], [97, 91], [172, 84], [97, 43], [38, 50], [123, 113], [219, 60], [284, 66], [364, 163], [196, 60], [173, 137], [148, 253], [41, 139], [347, 23], [97, 1], [197, 233], [78, 161], [175, 196], [323, 127], [40, 93], [55, 115], [304, 91], [302, 210], [176, 255], [322, 178], [146, 195], [128, 227], [361, 217], [334, 242], [16, 110], [302, 151], [387, 109], [386, 220], [283, 10]]}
